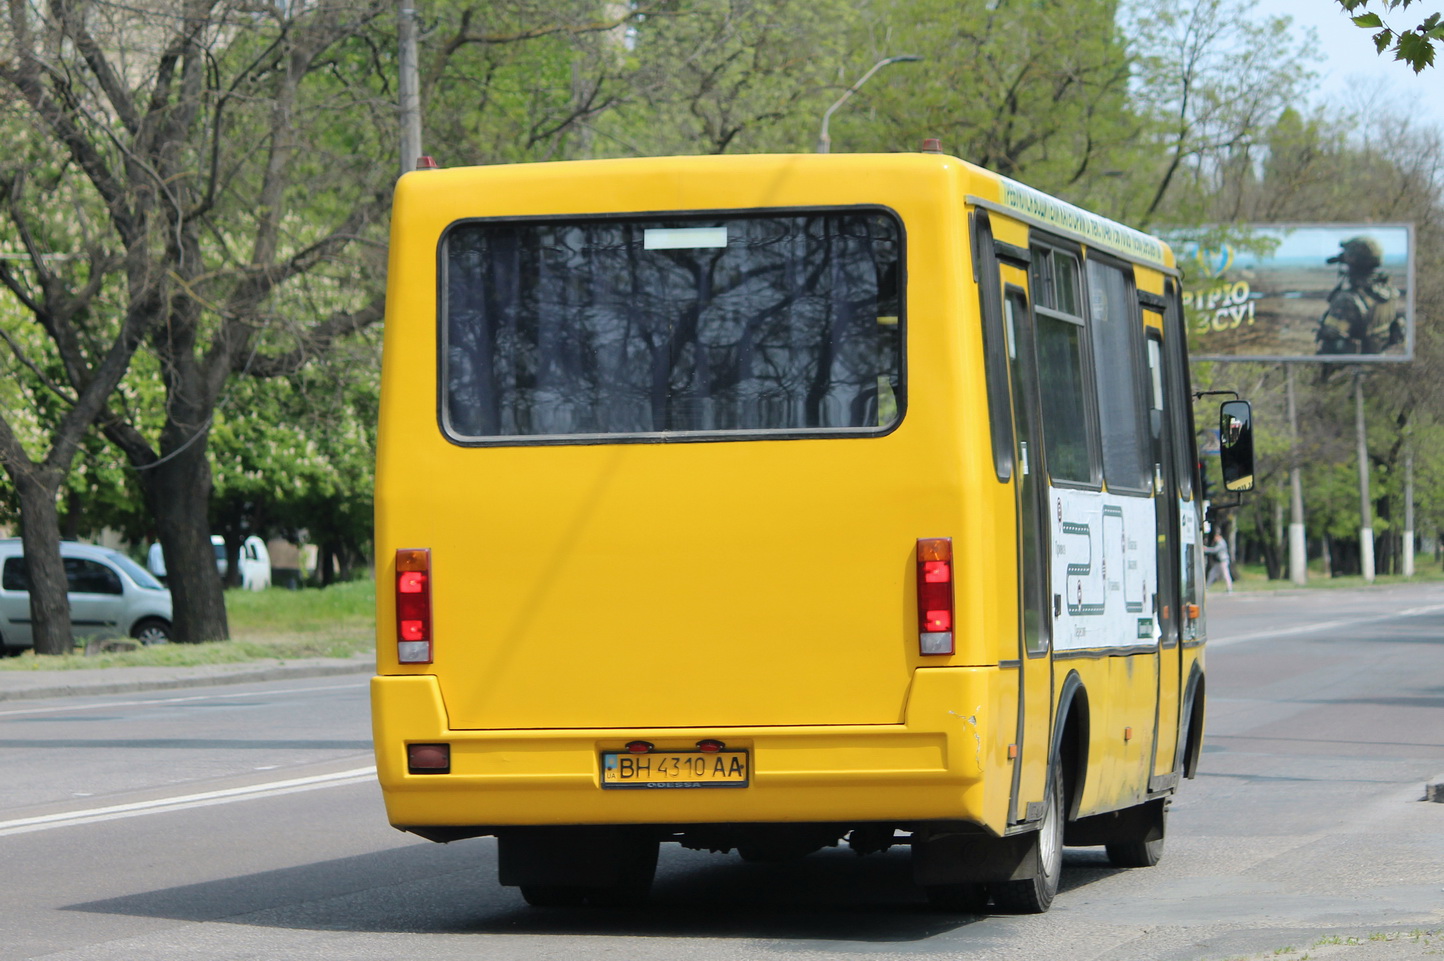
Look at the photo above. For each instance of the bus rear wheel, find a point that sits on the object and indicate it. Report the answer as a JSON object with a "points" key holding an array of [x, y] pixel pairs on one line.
{"points": [[569, 866], [1139, 853]]}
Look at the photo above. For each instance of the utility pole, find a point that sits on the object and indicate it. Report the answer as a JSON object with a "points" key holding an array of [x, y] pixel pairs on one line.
{"points": [[1366, 510], [409, 86], [1408, 546], [1298, 543]]}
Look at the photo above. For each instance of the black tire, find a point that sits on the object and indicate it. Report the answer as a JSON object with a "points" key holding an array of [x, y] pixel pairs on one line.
{"points": [[1034, 895], [959, 898], [152, 630], [550, 880], [1138, 854]]}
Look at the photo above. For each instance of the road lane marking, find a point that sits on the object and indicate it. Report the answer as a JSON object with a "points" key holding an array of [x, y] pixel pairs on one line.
{"points": [[1324, 625], [186, 801], [151, 702]]}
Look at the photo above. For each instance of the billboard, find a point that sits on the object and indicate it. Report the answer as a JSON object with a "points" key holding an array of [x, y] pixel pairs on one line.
{"points": [[1341, 293]]}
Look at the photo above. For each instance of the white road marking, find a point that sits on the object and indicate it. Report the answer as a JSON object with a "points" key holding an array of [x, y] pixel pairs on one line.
{"points": [[186, 801], [150, 702], [1323, 625]]}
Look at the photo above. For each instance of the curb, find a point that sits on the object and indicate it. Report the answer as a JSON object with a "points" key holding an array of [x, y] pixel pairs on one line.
{"points": [[129, 680]]}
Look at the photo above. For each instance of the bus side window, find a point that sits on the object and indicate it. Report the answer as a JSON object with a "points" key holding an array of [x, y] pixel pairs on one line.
{"points": [[1115, 326], [1067, 443], [1000, 418]]}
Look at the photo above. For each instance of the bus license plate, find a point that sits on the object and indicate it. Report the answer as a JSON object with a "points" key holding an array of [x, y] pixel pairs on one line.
{"points": [[675, 769]]}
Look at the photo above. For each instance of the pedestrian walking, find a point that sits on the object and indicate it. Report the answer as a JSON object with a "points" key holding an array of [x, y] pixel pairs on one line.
{"points": [[1217, 552]]}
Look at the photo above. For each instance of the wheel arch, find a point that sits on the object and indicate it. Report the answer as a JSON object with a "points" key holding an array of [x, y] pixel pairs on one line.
{"points": [[1071, 738], [1193, 711], [141, 622]]}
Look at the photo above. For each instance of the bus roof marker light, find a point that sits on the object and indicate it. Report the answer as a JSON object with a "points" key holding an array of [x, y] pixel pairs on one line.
{"points": [[426, 162], [935, 595], [932, 145]]}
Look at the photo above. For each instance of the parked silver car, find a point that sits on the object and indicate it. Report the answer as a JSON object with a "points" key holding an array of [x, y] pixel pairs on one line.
{"points": [[110, 596]]}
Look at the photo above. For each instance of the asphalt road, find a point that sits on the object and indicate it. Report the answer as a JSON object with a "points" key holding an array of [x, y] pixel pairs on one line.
{"points": [[242, 822]]}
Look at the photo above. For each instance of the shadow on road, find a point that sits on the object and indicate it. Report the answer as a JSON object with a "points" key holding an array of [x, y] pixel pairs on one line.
{"points": [[831, 896]]}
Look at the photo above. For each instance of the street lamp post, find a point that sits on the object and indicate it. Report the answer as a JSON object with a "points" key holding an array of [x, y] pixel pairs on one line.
{"points": [[408, 85], [824, 140]]}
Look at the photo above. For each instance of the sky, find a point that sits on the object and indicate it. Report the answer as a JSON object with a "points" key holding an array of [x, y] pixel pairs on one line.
{"points": [[1350, 69], [1314, 245]]}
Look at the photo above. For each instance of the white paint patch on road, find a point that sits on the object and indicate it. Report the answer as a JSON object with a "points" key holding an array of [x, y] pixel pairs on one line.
{"points": [[186, 801]]}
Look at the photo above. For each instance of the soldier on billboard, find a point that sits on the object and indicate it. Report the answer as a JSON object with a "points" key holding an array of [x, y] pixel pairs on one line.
{"points": [[1365, 312]]}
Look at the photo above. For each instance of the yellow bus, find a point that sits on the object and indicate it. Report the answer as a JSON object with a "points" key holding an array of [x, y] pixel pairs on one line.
{"points": [[767, 503]]}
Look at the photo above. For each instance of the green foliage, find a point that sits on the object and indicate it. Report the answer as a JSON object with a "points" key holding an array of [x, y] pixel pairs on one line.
{"points": [[1412, 45], [1033, 90], [518, 80], [713, 76], [294, 456], [1210, 77]]}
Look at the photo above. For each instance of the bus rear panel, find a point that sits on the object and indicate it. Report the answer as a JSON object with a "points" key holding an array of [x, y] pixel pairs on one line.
{"points": [[691, 526]]}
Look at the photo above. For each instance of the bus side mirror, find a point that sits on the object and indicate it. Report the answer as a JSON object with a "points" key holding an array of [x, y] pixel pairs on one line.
{"points": [[1235, 432]]}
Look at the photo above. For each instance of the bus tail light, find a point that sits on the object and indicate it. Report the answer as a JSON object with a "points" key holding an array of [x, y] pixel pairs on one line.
{"points": [[413, 606], [428, 758], [935, 595]]}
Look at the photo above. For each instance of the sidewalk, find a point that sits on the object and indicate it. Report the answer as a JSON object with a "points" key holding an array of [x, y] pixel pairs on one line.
{"points": [[18, 685]]}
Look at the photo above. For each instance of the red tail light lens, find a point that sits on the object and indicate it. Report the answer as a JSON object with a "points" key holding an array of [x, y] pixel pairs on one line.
{"points": [[413, 606], [428, 758], [935, 595]]}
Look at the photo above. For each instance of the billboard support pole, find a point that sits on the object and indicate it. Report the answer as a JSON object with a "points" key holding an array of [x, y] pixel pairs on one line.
{"points": [[1298, 544], [1366, 514]]}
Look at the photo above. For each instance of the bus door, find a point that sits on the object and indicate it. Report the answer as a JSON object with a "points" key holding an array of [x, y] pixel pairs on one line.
{"points": [[1162, 396], [1008, 329]]}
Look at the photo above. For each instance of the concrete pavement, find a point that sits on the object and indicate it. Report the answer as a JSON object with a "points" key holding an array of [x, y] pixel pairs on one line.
{"points": [[17, 685]]}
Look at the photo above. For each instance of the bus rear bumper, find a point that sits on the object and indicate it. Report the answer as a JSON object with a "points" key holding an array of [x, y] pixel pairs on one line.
{"points": [[930, 767]]}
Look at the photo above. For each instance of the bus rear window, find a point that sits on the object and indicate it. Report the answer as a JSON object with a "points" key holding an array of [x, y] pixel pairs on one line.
{"points": [[698, 326]]}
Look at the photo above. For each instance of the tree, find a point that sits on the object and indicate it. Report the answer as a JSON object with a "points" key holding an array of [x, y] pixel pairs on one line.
{"points": [[1413, 45], [522, 80], [67, 348], [202, 130], [293, 457], [730, 76], [1031, 90], [1211, 79], [1350, 169]]}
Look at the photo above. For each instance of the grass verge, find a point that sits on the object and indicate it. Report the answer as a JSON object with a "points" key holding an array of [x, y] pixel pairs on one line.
{"points": [[336, 621], [1254, 577]]}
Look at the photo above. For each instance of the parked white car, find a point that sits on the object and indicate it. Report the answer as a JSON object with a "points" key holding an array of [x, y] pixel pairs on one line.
{"points": [[255, 561], [110, 596]]}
